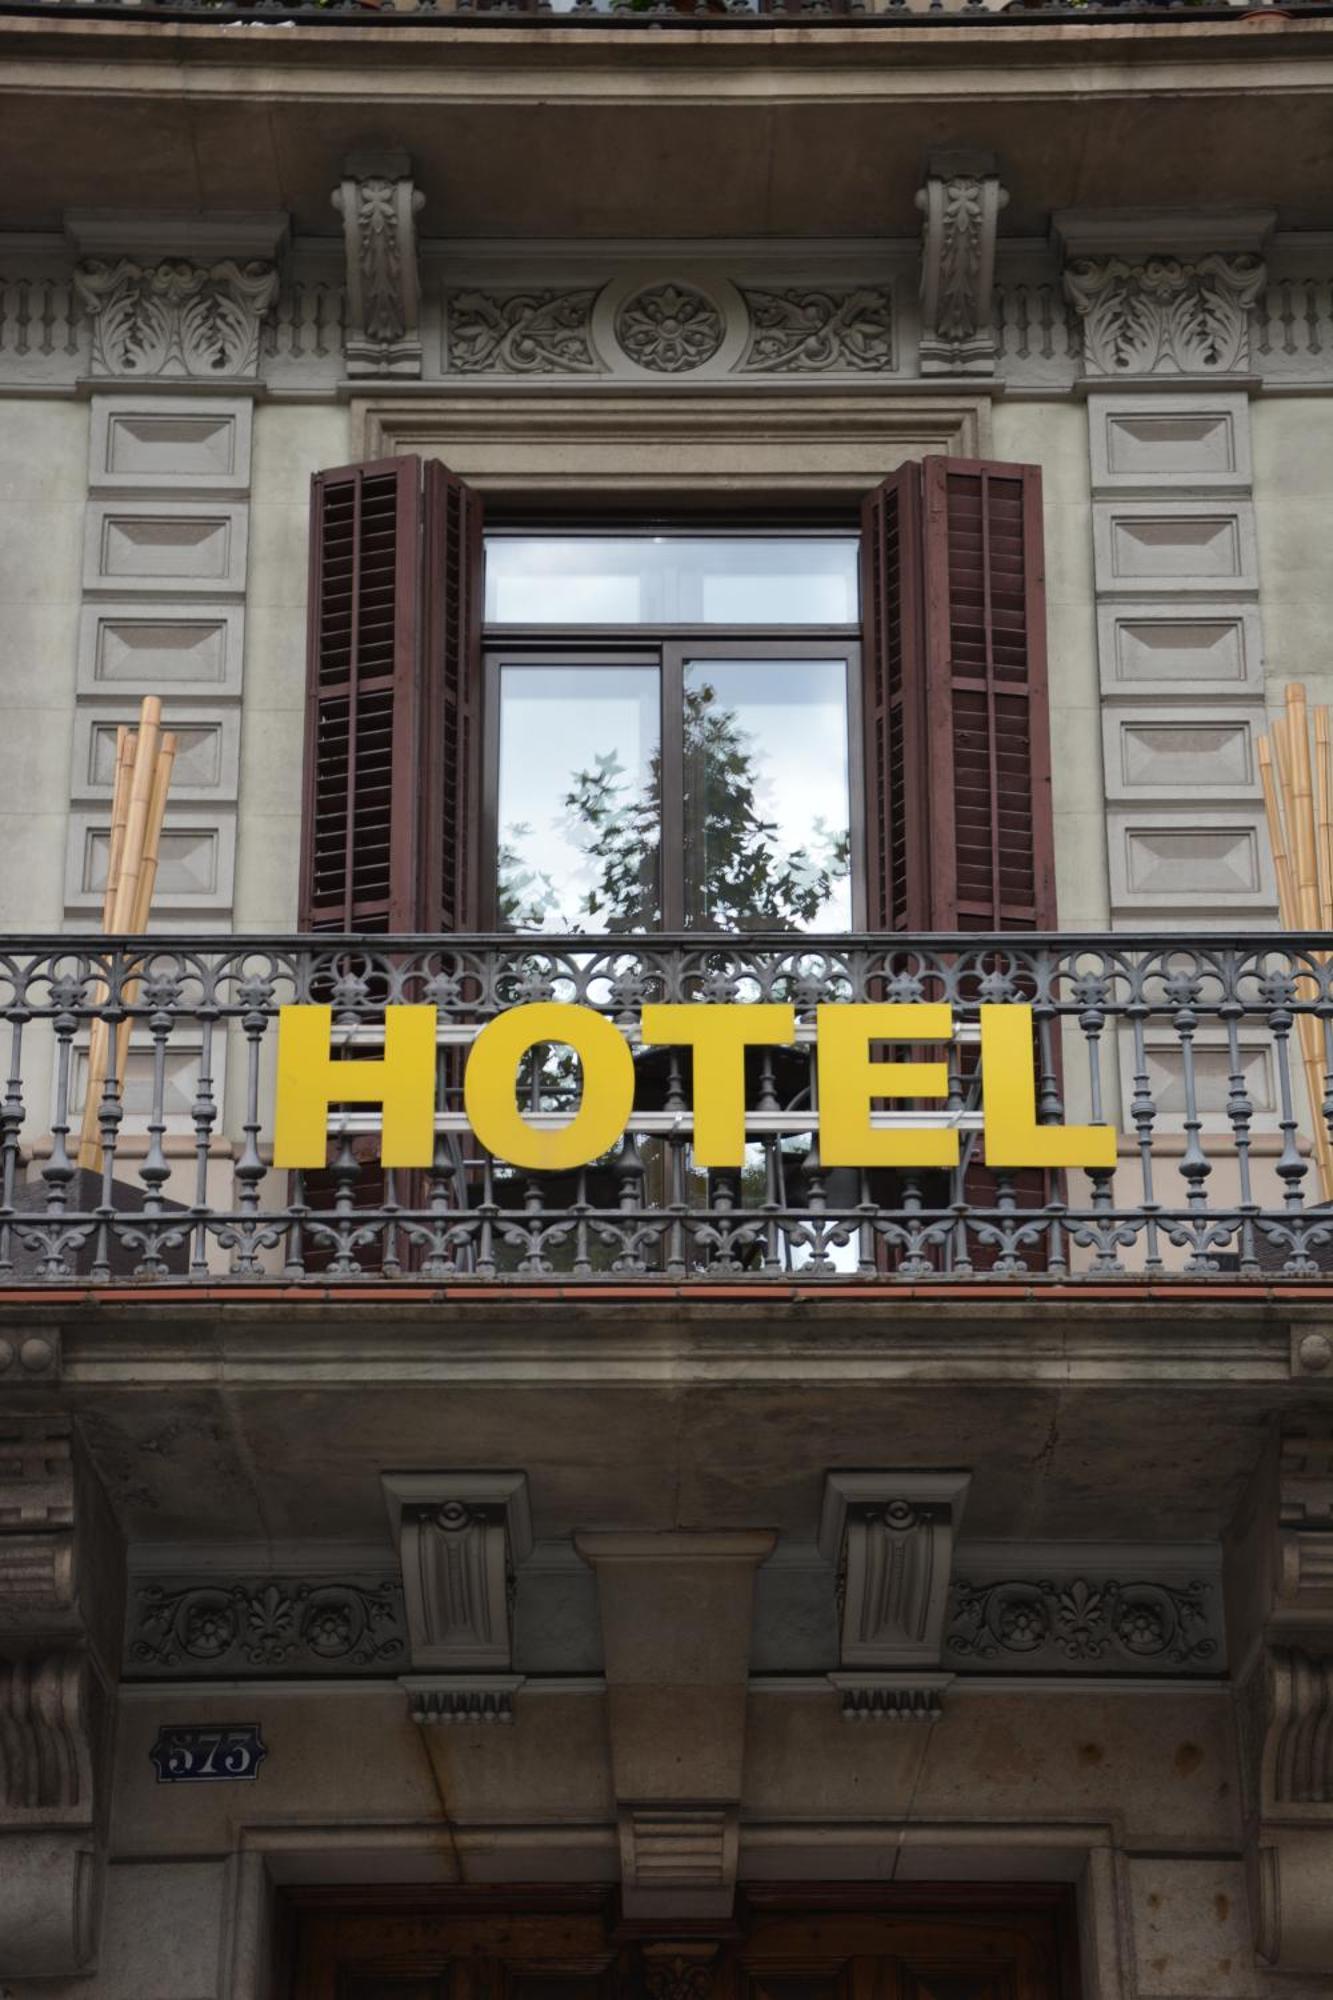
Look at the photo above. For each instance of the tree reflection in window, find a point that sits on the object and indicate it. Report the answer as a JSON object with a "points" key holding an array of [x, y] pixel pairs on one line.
{"points": [[742, 867]]}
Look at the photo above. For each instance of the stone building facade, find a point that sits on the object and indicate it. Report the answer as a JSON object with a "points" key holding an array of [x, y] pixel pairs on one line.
{"points": [[371, 1633]]}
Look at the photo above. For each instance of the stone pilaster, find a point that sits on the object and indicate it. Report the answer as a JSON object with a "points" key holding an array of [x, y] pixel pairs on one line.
{"points": [[1281, 1606], [61, 1608], [1163, 303]]}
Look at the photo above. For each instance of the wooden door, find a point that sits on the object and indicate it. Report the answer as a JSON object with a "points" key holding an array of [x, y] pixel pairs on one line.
{"points": [[854, 1943]]}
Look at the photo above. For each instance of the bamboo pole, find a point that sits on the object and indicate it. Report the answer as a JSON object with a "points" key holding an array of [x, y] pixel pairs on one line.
{"points": [[1323, 795], [1300, 798], [127, 744], [144, 759], [90, 1151], [1270, 779], [157, 807], [1297, 801]]}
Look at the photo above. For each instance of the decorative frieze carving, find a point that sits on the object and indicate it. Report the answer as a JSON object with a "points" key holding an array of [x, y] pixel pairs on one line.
{"points": [[187, 1627], [891, 1536], [1083, 1624], [812, 332], [176, 317], [520, 333], [460, 1536], [379, 204], [960, 205], [670, 329], [1161, 315]]}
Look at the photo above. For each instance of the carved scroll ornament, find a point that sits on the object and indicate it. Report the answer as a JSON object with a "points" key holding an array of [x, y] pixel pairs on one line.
{"points": [[379, 204]]}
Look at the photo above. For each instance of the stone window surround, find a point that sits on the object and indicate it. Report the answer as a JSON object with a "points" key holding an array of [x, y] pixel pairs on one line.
{"points": [[630, 446]]}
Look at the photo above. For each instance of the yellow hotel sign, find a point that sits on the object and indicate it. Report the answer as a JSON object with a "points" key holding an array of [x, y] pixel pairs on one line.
{"points": [[851, 1081]]}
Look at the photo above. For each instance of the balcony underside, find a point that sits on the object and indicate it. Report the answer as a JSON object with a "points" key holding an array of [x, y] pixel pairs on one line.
{"points": [[790, 131], [272, 1419]]}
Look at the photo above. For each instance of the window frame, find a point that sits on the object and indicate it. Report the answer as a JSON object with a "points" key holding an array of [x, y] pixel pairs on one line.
{"points": [[668, 648]]}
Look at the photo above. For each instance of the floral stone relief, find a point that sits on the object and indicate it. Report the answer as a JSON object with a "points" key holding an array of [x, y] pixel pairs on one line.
{"points": [[182, 1628], [1165, 314], [1082, 1624], [670, 329], [176, 317]]}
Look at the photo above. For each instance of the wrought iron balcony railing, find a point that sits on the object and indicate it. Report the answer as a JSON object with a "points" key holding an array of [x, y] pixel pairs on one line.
{"points": [[1211, 1057], [724, 15]]}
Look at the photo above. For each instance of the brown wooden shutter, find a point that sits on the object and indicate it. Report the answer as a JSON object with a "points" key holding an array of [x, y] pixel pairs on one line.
{"points": [[453, 611], [958, 762], [893, 714], [957, 725], [391, 699]]}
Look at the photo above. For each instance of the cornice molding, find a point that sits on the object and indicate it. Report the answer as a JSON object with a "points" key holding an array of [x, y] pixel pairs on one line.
{"points": [[1161, 232]]}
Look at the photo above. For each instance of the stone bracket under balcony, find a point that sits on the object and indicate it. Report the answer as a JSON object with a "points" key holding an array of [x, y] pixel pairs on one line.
{"points": [[890, 1536], [460, 1536]]}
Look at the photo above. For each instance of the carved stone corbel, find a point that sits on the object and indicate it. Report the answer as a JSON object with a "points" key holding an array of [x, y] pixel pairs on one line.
{"points": [[61, 1608], [890, 1536], [1281, 1606], [460, 1536], [379, 204], [676, 1612], [960, 203]]}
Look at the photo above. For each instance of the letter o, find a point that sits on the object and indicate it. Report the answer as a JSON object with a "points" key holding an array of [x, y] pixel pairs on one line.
{"points": [[608, 1086]]}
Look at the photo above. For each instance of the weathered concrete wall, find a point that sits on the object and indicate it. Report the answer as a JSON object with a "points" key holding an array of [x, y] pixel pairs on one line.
{"points": [[1133, 1795], [1054, 436], [1293, 490], [43, 486]]}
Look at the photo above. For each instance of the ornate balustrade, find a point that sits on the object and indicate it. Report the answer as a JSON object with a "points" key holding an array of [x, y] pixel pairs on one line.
{"points": [[1193, 1051]]}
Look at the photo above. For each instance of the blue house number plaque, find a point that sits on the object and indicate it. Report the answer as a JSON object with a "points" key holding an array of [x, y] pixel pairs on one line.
{"points": [[208, 1753]]}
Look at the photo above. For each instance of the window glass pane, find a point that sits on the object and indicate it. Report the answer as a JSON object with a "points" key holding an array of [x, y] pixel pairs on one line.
{"points": [[767, 809], [578, 811], [548, 580]]}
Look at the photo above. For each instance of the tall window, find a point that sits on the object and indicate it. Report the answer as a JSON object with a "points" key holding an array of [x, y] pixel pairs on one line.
{"points": [[670, 729]]}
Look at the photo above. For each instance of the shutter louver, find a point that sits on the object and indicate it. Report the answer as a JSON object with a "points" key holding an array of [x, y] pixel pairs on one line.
{"points": [[985, 690], [390, 797], [957, 730], [892, 720], [394, 664], [364, 650], [453, 625], [957, 727]]}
